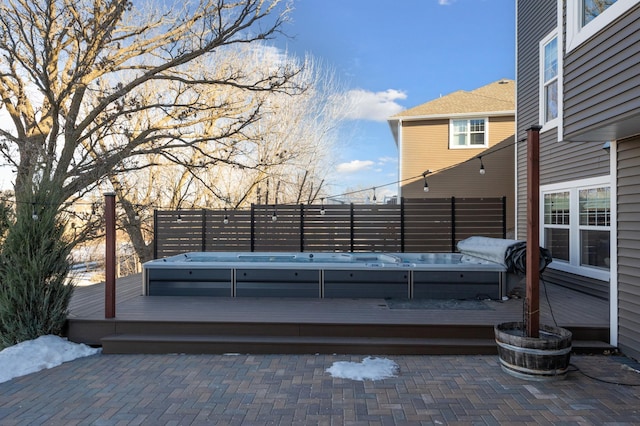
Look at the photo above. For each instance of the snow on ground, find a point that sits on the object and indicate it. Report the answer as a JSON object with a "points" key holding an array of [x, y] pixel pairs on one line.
{"points": [[39, 354], [50, 351], [369, 369]]}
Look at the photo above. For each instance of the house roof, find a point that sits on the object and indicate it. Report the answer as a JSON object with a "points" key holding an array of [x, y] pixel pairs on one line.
{"points": [[494, 97]]}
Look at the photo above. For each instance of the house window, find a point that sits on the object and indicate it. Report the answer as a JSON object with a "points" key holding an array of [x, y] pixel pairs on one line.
{"points": [[557, 221], [576, 227], [593, 8], [585, 18], [549, 93], [595, 219], [468, 133]]}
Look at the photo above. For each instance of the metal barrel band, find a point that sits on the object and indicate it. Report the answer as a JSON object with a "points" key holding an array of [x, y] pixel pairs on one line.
{"points": [[528, 373], [532, 351]]}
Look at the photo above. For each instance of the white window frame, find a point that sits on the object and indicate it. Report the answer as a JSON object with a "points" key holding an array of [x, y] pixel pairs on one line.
{"points": [[452, 145], [555, 122], [573, 187], [577, 34]]}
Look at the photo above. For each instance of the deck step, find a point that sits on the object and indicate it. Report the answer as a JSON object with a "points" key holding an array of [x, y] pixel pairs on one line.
{"points": [[221, 344]]}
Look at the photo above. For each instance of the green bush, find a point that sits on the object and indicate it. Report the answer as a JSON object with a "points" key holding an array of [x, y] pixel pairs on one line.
{"points": [[34, 265]]}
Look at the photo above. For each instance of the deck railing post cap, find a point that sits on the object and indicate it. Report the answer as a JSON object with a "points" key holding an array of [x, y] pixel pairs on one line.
{"points": [[109, 194], [535, 128]]}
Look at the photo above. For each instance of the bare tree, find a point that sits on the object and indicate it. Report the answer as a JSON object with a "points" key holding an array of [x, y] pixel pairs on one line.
{"points": [[76, 78], [289, 144]]}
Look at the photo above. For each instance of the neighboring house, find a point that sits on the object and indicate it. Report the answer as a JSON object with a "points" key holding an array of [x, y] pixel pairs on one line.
{"points": [[447, 137], [578, 75]]}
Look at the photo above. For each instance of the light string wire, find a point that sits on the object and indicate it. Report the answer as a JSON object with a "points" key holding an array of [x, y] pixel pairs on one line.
{"points": [[484, 154]]}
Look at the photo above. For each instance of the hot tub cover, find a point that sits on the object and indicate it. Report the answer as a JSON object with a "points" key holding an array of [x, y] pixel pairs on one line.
{"points": [[509, 253]]}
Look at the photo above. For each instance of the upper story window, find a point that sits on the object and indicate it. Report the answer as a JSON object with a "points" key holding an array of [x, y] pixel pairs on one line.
{"points": [[585, 18], [549, 81], [468, 133], [592, 9]]}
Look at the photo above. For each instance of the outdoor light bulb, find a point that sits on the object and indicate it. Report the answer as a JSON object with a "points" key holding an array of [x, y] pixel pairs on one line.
{"points": [[225, 220], [426, 188], [136, 217], [322, 211], [482, 170], [274, 217]]}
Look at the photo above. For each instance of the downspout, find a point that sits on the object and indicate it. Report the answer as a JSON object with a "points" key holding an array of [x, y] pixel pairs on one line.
{"points": [[613, 248]]}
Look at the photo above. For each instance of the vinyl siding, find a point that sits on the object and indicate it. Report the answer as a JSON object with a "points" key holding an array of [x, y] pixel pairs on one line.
{"points": [[602, 83], [535, 21], [559, 161], [628, 245]]}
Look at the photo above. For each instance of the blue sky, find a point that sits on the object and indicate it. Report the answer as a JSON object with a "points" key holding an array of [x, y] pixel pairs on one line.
{"points": [[394, 55]]}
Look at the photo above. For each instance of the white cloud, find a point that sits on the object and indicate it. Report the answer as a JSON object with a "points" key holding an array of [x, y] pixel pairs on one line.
{"points": [[376, 106], [445, 2], [387, 160], [354, 166]]}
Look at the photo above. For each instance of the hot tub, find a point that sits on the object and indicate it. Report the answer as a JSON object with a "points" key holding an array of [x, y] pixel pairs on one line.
{"points": [[325, 275]]}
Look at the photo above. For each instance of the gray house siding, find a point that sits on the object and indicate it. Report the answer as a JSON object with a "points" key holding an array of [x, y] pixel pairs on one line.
{"points": [[602, 81], [529, 33], [559, 161], [628, 204]]}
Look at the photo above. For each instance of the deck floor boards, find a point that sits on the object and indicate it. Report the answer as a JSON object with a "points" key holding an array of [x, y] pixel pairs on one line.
{"points": [[566, 308]]}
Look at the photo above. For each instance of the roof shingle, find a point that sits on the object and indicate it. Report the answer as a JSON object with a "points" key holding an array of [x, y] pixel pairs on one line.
{"points": [[496, 96]]}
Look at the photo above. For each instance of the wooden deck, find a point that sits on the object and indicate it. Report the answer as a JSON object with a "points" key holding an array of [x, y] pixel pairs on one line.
{"points": [[156, 324]]}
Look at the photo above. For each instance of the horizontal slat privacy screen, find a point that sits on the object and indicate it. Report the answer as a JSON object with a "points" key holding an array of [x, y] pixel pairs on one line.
{"points": [[413, 226]]}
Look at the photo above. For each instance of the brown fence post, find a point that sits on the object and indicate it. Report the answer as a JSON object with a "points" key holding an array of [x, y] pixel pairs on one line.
{"points": [[352, 226], [155, 233], [110, 255], [453, 224], [301, 228], [204, 230], [252, 243], [402, 228], [504, 217]]}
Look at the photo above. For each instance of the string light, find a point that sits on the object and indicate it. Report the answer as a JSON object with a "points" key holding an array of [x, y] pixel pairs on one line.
{"points": [[426, 184], [34, 213], [374, 194], [225, 220], [274, 216], [322, 210]]}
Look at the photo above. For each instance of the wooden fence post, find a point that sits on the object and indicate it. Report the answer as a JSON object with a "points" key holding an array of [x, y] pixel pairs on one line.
{"points": [[110, 255], [453, 224]]}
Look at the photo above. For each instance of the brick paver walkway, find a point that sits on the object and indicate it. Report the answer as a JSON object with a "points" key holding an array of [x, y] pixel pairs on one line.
{"points": [[296, 389]]}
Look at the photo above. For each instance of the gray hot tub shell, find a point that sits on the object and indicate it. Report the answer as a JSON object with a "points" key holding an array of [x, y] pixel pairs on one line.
{"points": [[325, 275]]}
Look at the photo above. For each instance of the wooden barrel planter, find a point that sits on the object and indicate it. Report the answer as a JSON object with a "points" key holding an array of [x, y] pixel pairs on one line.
{"points": [[543, 358]]}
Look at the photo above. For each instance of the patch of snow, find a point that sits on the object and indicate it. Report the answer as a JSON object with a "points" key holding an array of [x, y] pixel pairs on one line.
{"points": [[38, 354], [369, 369]]}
